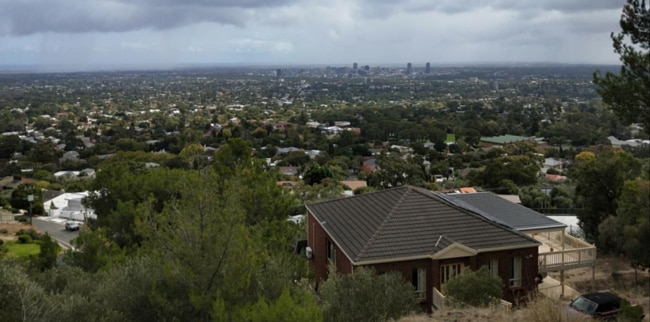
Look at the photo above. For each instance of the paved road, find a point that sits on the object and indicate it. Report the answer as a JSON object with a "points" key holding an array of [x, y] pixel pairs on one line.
{"points": [[55, 229]]}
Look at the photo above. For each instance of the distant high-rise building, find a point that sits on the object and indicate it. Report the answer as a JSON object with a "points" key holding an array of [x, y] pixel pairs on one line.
{"points": [[355, 66], [409, 69], [367, 68], [428, 68], [278, 72]]}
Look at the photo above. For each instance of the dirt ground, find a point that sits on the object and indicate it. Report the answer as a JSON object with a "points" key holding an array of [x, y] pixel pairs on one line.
{"points": [[12, 228]]}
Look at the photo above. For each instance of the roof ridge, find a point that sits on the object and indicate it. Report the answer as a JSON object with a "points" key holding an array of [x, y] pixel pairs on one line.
{"points": [[371, 240]]}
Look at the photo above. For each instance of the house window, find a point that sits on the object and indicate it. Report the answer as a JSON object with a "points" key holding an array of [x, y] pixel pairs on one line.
{"points": [[515, 272], [331, 252], [493, 267], [447, 272], [419, 282]]}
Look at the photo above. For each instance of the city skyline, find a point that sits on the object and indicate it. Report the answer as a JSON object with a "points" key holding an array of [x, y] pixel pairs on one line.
{"points": [[89, 35]]}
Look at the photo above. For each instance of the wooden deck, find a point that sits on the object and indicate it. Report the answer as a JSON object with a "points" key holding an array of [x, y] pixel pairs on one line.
{"points": [[560, 251]]}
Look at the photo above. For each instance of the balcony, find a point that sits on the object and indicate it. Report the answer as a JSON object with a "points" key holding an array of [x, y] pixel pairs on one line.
{"points": [[560, 251]]}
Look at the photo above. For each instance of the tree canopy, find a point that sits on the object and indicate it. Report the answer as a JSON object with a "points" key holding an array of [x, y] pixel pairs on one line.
{"points": [[628, 93]]}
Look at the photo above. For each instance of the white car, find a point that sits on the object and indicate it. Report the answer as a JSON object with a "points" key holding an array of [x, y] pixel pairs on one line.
{"points": [[71, 225]]}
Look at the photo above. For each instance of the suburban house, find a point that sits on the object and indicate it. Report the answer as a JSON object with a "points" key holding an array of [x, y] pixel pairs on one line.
{"points": [[424, 236], [558, 250]]}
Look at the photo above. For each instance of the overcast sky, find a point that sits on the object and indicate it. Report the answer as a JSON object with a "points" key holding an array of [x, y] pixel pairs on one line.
{"points": [[335, 32]]}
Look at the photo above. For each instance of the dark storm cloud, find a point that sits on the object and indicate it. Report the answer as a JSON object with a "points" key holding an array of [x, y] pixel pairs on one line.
{"points": [[26, 17]]}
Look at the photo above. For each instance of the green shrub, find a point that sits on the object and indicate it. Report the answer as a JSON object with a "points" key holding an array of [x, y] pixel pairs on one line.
{"points": [[475, 288], [1, 242], [630, 312], [31, 232], [21, 218], [4, 231], [25, 239], [365, 296]]}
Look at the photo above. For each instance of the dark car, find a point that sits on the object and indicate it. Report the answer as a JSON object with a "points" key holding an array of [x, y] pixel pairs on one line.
{"points": [[598, 305], [71, 225]]}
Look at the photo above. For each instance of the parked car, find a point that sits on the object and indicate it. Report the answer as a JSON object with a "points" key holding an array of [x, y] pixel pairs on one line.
{"points": [[597, 305], [71, 225]]}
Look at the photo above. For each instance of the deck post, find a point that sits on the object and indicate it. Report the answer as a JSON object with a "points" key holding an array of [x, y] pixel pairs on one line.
{"points": [[593, 275], [562, 283]]}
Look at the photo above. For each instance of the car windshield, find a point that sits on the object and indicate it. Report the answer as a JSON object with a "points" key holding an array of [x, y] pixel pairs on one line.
{"points": [[584, 305]]}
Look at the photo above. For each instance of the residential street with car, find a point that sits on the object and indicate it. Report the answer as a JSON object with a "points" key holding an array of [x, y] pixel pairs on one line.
{"points": [[56, 228]]}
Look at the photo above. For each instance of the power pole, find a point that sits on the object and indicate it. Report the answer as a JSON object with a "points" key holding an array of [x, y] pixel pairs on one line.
{"points": [[30, 198]]}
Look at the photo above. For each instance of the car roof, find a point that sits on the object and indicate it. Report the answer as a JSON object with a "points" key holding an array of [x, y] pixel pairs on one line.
{"points": [[602, 297]]}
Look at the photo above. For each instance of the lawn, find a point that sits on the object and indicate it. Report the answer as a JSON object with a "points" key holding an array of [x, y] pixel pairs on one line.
{"points": [[21, 250], [451, 138]]}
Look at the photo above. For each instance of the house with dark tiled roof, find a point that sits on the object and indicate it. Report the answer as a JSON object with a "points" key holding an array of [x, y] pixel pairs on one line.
{"points": [[425, 237], [558, 251]]}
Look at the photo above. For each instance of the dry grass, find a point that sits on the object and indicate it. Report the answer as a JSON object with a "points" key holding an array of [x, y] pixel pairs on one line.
{"points": [[541, 310], [548, 310]]}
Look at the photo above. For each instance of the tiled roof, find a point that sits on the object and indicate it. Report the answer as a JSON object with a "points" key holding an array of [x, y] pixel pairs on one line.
{"points": [[504, 139], [516, 216], [408, 222]]}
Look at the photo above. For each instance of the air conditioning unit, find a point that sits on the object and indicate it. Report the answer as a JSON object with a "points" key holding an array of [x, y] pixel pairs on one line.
{"points": [[309, 253]]}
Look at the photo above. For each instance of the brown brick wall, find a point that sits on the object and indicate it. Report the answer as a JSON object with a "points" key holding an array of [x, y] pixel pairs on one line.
{"points": [[529, 271], [406, 270], [318, 242]]}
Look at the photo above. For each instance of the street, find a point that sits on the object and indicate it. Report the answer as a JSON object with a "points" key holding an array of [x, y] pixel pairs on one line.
{"points": [[55, 227]]}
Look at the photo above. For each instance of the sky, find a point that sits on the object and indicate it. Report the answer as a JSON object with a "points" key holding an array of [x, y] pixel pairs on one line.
{"points": [[130, 33]]}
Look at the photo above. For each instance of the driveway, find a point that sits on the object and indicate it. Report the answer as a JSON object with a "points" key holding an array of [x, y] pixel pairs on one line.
{"points": [[55, 227]]}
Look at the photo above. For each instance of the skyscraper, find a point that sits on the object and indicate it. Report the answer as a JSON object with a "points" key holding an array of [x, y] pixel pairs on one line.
{"points": [[409, 69], [355, 66], [428, 69]]}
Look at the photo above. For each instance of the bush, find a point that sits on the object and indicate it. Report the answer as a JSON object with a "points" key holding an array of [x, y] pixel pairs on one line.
{"points": [[629, 312], [21, 218], [1, 242], [366, 296], [4, 231], [475, 288], [30, 232], [24, 239]]}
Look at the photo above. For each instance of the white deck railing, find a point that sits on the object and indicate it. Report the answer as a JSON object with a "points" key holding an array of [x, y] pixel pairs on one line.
{"points": [[440, 303], [438, 299], [566, 259]]}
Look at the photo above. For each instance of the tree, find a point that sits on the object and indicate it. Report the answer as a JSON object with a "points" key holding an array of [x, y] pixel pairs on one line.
{"points": [[202, 243], [600, 179], [628, 230], [46, 258], [43, 152], [475, 288], [315, 174], [394, 171], [365, 296], [22, 299], [628, 93], [19, 197]]}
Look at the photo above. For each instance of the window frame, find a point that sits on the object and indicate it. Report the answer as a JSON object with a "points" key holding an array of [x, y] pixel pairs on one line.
{"points": [[449, 271], [493, 267], [516, 265], [331, 251], [419, 282]]}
